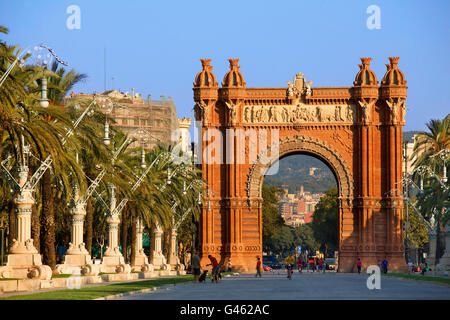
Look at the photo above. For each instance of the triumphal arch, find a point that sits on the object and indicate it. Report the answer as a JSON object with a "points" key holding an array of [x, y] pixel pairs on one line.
{"points": [[356, 131]]}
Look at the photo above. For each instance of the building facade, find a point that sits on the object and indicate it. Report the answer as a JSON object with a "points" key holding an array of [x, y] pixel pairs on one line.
{"points": [[149, 121]]}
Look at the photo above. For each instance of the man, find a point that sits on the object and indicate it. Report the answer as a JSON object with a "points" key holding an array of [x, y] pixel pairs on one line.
{"points": [[289, 264], [215, 270], [300, 264], [196, 266], [385, 265], [410, 267], [258, 268]]}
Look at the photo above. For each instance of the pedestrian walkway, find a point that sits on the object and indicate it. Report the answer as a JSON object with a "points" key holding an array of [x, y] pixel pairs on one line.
{"points": [[303, 286]]}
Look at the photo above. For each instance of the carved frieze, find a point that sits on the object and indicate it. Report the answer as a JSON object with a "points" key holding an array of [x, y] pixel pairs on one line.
{"points": [[300, 113]]}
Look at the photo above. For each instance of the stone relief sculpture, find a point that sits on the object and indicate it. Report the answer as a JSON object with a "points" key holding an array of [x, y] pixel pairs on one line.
{"points": [[292, 90], [308, 88], [299, 114], [247, 115], [285, 115], [394, 108], [403, 105], [299, 87], [366, 107], [338, 114], [264, 116], [201, 110], [299, 81], [350, 113], [232, 108]]}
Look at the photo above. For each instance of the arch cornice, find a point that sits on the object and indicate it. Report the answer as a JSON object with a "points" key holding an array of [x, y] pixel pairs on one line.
{"points": [[300, 143]]}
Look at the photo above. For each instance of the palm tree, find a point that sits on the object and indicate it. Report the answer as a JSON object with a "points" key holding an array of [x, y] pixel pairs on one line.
{"points": [[428, 144], [92, 155], [434, 198], [63, 81]]}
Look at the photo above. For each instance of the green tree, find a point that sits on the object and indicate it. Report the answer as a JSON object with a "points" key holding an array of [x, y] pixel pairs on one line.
{"points": [[434, 199], [304, 237], [325, 222], [272, 221], [417, 231], [62, 82]]}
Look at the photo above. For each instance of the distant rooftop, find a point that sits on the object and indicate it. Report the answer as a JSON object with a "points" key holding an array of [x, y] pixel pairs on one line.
{"points": [[133, 98]]}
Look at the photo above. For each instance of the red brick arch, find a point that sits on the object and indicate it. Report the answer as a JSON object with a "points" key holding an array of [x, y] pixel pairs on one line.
{"points": [[356, 130]]}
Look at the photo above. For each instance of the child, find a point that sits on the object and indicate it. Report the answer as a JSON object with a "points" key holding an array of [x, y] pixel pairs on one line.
{"points": [[358, 265]]}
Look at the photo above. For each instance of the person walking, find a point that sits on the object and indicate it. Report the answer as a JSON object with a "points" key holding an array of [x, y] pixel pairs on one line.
{"points": [[385, 265], [258, 268], [300, 264], [425, 269], [359, 265], [196, 266], [215, 268], [320, 263], [229, 265], [410, 267], [313, 264]]}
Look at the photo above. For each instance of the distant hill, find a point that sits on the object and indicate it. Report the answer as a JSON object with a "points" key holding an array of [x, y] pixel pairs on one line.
{"points": [[407, 135], [294, 171]]}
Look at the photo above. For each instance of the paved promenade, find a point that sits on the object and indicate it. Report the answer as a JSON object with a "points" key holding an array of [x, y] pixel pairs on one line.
{"points": [[303, 286]]}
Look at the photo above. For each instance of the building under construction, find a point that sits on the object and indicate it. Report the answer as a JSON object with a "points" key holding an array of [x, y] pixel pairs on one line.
{"points": [[149, 121]]}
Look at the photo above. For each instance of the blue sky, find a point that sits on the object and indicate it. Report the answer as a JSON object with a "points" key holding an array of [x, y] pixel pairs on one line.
{"points": [[155, 46]]}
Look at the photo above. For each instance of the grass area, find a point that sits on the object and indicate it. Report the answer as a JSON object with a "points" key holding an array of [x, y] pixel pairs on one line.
{"points": [[99, 291], [63, 275], [419, 277], [6, 279]]}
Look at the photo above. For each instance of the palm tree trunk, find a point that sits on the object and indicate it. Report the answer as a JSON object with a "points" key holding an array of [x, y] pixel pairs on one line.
{"points": [[124, 227], [11, 224], [166, 249], [89, 230], [151, 242], [2, 130], [35, 228], [133, 238], [48, 222]]}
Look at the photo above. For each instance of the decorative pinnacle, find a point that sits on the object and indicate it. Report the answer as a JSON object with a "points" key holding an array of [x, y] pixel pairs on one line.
{"points": [[394, 61], [205, 64], [234, 64], [366, 61]]}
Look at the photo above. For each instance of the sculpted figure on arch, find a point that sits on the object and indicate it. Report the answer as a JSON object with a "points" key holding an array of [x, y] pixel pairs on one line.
{"points": [[201, 109], [247, 115], [394, 108], [232, 108], [366, 107]]}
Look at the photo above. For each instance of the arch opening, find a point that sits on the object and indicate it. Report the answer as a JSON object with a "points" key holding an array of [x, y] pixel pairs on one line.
{"points": [[300, 212]]}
